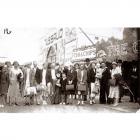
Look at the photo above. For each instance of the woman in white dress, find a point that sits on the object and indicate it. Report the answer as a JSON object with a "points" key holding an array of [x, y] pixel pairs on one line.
{"points": [[15, 76], [114, 86]]}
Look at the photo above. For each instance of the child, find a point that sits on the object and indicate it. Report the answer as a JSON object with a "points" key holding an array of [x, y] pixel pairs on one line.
{"points": [[63, 82], [57, 88]]}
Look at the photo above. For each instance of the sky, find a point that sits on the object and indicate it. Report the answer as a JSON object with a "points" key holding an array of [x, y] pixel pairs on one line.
{"points": [[23, 44]]}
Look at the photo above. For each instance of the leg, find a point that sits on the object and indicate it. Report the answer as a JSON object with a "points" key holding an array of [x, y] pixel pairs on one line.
{"points": [[102, 95]]}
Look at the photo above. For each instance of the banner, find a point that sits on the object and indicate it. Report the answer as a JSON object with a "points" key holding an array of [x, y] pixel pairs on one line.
{"points": [[83, 53]]}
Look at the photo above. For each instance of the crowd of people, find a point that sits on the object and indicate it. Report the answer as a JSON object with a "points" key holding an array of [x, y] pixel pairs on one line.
{"points": [[77, 83]]}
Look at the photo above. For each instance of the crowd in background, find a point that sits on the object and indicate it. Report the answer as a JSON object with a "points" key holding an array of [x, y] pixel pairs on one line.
{"points": [[77, 83]]}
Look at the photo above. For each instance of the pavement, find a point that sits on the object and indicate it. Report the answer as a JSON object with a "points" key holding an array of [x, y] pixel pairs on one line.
{"points": [[124, 107]]}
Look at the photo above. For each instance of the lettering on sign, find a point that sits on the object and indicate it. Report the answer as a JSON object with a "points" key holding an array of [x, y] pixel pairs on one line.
{"points": [[54, 37], [83, 54]]}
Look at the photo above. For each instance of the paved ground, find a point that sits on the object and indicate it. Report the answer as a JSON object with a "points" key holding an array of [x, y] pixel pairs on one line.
{"points": [[124, 107]]}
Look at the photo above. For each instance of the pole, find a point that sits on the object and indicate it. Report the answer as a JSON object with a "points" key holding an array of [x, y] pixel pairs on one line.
{"points": [[86, 35]]}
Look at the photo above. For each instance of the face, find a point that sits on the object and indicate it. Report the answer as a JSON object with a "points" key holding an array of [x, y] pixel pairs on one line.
{"points": [[64, 75], [113, 66], [58, 75], [103, 65], [29, 66], [119, 64], [4, 69], [76, 66], [93, 65], [71, 67], [53, 66], [35, 64], [57, 67], [98, 65], [82, 67], [44, 66], [15, 65], [8, 64], [87, 62]]}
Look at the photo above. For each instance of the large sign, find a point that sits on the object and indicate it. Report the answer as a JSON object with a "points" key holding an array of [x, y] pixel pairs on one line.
{"points": [[70, 35], [83, 53], [54, 37]]}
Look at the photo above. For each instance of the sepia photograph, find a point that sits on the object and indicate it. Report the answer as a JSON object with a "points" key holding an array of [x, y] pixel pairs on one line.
{"points": [[69, 70]]}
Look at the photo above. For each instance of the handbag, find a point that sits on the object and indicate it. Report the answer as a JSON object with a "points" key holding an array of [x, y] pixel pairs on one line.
{"points": [[82, 87], [69, 87], [112, 82]]}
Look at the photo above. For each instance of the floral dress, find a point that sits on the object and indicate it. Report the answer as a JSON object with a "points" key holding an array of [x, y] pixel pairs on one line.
{"points": [[14, 90]]}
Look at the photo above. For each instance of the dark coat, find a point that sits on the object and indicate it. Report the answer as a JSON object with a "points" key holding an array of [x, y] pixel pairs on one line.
{"points": [[63, 84], [106, 75], [91, 76], [49, 76], [38, 76], [72, 76], [84, 80], [4, 82]]}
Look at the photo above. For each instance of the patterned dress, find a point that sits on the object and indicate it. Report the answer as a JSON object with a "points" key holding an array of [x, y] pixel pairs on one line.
{"points": [[14, 95]]}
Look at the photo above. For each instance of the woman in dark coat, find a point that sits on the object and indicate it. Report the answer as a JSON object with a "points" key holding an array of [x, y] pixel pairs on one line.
{"points": [[72, 80], [4, 80], [57, 86]]}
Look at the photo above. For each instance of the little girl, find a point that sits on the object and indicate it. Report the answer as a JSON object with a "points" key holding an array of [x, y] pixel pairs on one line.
{"points": [[63, 89]]}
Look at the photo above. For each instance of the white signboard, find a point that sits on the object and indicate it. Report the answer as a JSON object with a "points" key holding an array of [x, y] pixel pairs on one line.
{"points": [[83, 53]]}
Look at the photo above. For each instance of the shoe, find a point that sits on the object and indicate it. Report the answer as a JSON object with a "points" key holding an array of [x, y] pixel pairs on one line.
{"points": [[91, 102], [78, 103], [44, 103], [82, 102], [115, 104], [120, 101], [131, 101]]}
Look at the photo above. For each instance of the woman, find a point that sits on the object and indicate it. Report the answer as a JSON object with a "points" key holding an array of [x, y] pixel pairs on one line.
{"points": [[114, 85], [77, 68], [58, 85], [82, 84], [15, 76], [98, 77], [4, 80], [72, 80]]}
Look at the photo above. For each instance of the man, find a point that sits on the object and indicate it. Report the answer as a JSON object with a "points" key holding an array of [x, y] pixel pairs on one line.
{"points": [[27, 83], [38, 80], [88, 67], [104, 86]]}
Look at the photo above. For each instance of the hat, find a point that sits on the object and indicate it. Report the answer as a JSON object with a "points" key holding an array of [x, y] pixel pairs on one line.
{"points": [[119, 61], [114, 63]]}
